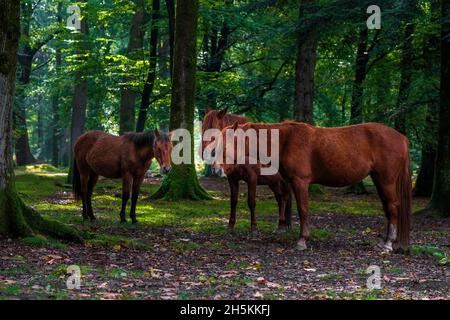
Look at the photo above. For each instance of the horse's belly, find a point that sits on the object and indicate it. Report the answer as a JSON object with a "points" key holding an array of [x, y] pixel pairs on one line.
{"points": [[341, 178], [105, 166]]}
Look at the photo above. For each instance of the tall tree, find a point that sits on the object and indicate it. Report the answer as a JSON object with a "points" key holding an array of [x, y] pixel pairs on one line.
{"points": [[182, 180], [56, 100], [431, 70], [16, 219], [151, 76], [440, 199], [26, 55], [406, 62], [170, 5], [80, 88], [128, 92], [305, 65]]}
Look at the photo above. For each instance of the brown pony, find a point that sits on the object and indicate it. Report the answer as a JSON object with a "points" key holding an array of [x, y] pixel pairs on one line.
{"points": [[343, 156], [127, 157], [220, 119]]}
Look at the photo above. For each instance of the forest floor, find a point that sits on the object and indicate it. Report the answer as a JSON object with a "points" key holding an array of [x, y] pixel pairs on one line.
{"points": [[181, 250]]}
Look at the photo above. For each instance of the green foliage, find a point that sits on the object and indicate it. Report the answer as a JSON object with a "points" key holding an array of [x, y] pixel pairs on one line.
{"points": [[431, 250]]}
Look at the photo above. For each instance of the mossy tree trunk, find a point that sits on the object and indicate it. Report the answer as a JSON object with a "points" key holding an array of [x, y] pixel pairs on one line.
{"points": [[182, 182], [80, 90], [440, 198], [16, 219]]}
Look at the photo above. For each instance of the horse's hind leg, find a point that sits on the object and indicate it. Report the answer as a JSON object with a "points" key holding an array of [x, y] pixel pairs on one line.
{"points": [[382, 197], [388, 195], [84, 180], [93, 178], [126, 186], [134, 197]]}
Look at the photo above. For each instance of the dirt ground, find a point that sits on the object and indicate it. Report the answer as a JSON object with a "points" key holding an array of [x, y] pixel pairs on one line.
{"points": [[178, 263]]}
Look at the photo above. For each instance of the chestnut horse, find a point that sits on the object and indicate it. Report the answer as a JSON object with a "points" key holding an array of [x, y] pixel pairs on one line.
{"points": [[220, 119], [343, 156], [127, 157]]}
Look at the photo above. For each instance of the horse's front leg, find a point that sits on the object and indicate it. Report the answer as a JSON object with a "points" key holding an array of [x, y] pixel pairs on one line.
{"points": [[234, 193], [126, 186], [301, 195], [134, 197]]}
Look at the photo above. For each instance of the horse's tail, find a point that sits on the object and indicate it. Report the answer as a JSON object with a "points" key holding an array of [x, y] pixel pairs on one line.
{"points": [[76, 181], [404, 192]]}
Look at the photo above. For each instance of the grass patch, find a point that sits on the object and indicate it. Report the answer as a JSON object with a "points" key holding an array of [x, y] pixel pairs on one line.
{"points": [[41, 241], [113, 241], [182, 246], [12, 289], [320, 234], [433, 251]]}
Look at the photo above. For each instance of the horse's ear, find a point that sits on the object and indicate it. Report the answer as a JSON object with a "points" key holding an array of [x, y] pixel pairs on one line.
{"points": [[156, 131], [222, 113], [235, 125]]}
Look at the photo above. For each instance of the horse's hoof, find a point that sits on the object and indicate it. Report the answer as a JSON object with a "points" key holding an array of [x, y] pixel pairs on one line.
{"points": [[301, 245], [230, 231], [380, 244], [123, 220], [134, 221], [384, 246]]}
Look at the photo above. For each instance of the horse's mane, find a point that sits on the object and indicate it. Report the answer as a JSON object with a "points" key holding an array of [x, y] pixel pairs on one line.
{"points": [[229, 118], [140, 139]]}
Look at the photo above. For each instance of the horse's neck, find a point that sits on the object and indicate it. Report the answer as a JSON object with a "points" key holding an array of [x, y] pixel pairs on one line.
{"points": [[230, 119], [145, 153]]}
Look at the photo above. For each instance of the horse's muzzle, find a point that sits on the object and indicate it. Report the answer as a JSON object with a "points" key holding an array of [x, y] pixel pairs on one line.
{"points": [[165, 170]]}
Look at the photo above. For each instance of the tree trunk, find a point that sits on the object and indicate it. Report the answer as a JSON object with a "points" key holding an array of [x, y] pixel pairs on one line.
{"points": [[362, 58], [22, 143], [430, 54], [182, 182], [440, 199], [304, 68], [405, 78], [16, 219], [356, 114], [151, 76], [80, 92], [55, 102], [170, 4], [424, 181], [128, 92], [55, 130]]}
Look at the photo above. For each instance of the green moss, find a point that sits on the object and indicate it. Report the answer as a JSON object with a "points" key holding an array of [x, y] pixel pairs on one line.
{"points": [[41, 241], [181, 183], [106, 240], [19, 220]]}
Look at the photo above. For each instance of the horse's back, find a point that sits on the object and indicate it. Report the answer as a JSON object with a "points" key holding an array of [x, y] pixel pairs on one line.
{"points": [[101, 152], [342, 156]]}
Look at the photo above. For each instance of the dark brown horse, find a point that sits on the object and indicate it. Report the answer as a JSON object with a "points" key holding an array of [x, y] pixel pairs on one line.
{"points": [[220, 119], [343, 156], [127, 157]]}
